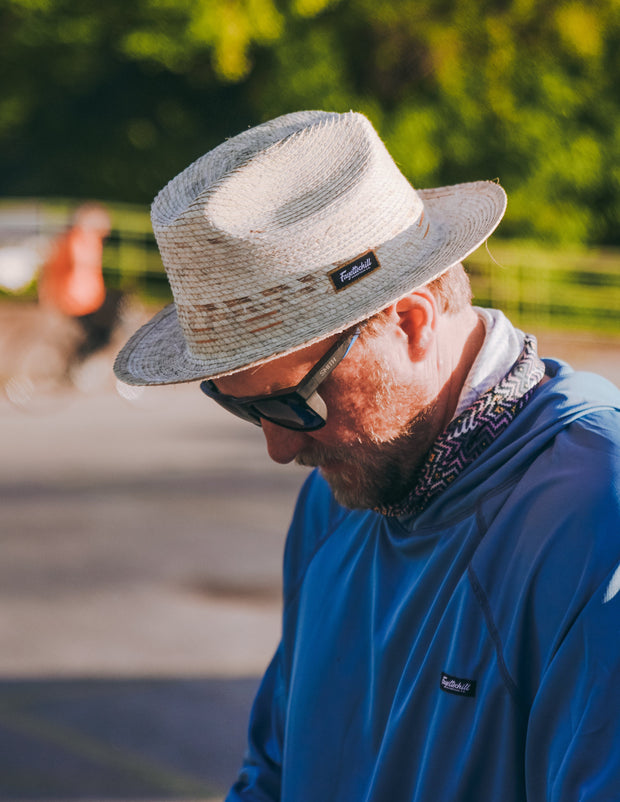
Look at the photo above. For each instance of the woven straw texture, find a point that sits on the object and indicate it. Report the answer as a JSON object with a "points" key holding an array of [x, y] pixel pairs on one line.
{"points": [[252, 233]]}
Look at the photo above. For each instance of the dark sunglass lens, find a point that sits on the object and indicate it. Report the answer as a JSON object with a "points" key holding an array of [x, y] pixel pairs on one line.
{"points": [[293, 413], [241, 411], [229, 404]]}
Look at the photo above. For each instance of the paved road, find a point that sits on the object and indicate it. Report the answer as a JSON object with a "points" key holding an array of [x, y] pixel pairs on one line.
{"points": [[139, 595], [139, 591]]}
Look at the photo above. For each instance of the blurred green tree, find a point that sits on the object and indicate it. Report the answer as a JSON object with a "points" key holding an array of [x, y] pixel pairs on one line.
{"points": [[111, 100]]}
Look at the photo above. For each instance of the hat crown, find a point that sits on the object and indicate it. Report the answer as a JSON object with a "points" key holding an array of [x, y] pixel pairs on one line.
{"points": [[281, 173], [306, 178], [205, 173]]}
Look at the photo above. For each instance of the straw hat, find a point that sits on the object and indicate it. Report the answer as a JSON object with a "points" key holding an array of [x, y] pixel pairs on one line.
{"points": [[290, 232]]}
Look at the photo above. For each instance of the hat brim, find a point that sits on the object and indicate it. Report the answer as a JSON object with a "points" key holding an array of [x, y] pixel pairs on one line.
{"points": [[457, 220]]}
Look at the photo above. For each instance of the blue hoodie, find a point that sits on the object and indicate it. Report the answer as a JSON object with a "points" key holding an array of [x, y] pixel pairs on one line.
{"points": [[469, 654]]}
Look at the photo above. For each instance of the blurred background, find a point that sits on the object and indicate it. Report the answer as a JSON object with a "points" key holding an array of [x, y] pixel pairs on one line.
{"points": [[142, 531]]}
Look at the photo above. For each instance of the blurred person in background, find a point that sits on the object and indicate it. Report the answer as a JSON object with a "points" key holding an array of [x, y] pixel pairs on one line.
{"points": [[451, 607], [71, 280]]}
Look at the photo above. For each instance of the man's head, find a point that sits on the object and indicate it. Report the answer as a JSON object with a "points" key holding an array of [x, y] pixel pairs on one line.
{"points": [[287, 234], [388, 395], [283, 238]]}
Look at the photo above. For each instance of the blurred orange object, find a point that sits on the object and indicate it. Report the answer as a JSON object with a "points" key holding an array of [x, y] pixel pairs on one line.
{"points": [[71, 279]]}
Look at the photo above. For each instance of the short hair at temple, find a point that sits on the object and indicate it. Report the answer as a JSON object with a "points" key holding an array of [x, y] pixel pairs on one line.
{"points": [[452, 290]]}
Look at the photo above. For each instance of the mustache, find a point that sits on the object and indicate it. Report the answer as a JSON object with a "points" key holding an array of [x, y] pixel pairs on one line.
{"points": [[316, 455]]}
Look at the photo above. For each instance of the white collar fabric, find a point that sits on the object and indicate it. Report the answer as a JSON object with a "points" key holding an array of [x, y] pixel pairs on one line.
{"points": [[501, 348]]}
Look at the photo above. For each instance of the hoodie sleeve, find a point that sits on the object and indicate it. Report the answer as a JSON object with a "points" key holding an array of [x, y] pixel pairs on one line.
{"points": [[261, 776], [573, 747]]}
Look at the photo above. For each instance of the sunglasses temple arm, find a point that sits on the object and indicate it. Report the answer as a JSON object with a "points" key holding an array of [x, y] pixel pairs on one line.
{"points": [[326, 365]]}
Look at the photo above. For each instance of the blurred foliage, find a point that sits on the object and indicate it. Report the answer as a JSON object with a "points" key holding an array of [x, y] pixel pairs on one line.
{"points": [[110, 100]]}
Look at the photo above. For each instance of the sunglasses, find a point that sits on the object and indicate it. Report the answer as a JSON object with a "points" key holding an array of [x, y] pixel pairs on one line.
{"points": [[300, 408]]}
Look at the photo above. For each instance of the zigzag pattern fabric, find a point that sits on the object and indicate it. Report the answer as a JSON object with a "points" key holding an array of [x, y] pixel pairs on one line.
{"points": [[467, 436]]}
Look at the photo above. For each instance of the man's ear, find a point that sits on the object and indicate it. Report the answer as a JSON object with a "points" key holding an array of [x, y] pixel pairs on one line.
{"points": [[417, 318]]}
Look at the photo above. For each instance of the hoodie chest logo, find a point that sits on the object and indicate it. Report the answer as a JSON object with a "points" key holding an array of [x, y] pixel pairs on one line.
{"points": [[457, 685]]}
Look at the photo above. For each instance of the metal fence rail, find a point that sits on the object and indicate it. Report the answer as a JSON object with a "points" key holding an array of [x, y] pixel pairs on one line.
{"points": [[544, 287]]}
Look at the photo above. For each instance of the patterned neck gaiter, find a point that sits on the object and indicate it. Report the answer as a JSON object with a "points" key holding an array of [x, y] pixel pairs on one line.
{"points": [[467, 436]]}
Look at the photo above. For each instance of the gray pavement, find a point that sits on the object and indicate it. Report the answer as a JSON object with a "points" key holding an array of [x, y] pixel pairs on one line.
{"points": [[139, 590], [139, 595]]}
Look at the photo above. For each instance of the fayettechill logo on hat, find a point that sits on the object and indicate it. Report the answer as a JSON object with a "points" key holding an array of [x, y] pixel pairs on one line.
{"points": [[345, 275]]}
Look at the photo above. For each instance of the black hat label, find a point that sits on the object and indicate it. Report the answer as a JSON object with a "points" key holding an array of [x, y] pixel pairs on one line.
{"points": [[345, 275]]}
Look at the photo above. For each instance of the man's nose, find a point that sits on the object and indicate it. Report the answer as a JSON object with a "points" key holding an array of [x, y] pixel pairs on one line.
{"points": [[283, 445]]}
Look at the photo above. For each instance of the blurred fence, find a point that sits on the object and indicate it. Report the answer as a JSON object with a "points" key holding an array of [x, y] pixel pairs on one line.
{"points": [[541, 287], [549, 288]]}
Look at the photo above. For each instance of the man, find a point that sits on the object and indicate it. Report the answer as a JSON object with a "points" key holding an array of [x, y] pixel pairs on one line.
{"points": [[451, 623]]}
